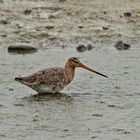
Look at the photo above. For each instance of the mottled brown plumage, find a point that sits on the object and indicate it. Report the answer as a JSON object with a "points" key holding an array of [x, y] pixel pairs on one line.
{"points": [[53, 80]]}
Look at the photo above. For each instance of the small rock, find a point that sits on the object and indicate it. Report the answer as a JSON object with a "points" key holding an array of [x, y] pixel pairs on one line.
{"points": [[127, 14], [93, 137], [1, 105], [126, 132], [62, 0], [81, 26], [122, 46], [52, 16], [3, 21], [11, 89], [4, 35], [90, 47], [97, 115], [21, 48], [49, 26], [117, 87], [101, 102], [19, 26], [105, 28], [27, 12], [81, 48], [65, 130], [18, 104], [125, 72], [63, 46], [17, 31], [44, 34], [35, 118], [111, 106]]}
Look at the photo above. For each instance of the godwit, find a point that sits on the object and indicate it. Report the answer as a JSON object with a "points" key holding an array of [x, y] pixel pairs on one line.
{"points": [[53, 80]]}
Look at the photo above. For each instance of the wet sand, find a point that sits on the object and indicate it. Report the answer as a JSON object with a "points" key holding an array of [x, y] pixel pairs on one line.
{"points": [[91, 107]]}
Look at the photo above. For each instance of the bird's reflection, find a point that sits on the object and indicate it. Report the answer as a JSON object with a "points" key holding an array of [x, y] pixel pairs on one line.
{"points": [[49, 96]]}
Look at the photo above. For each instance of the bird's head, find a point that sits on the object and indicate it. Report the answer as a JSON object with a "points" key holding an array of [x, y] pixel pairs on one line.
{"points": [[75, 62]]}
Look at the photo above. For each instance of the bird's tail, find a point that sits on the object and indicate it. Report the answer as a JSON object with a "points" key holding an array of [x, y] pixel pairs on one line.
{"points": [[19, 79]]}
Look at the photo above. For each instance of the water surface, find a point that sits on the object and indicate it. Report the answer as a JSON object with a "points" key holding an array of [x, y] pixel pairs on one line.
{"points": [[91, 107]]}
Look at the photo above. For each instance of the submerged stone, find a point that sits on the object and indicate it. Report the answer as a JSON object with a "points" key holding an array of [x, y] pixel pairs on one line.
{"points": [[81, 48], [105, 28], [21, 48], [62, 0], [127, 14], [27, 12], [3, 21], [90, 47], [49, 26], [122, 46]]}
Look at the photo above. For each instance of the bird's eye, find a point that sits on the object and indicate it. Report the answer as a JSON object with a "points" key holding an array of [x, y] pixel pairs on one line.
{"points": [[76, 60]]}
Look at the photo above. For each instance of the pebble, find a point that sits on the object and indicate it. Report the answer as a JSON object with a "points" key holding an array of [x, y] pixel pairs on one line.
{"points": [[3, 35], [35, 118], [111, 106], [81, 26], [90, 47], [65, 130], [11, 89], [49, 26], [122, 46], [81, 48], [127, 14], [93, 137], [105, 28], [27, 12], [21, 48], [3, 21], [126, 132], [97, 115], [44, 34], [19, 104], [62, 0]]}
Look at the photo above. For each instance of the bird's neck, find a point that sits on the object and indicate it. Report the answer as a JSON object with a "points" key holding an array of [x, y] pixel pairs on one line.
{"points": [[69, 71]]}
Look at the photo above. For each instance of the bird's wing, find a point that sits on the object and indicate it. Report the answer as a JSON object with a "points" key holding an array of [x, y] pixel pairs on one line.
{"points": [[49, 77]]}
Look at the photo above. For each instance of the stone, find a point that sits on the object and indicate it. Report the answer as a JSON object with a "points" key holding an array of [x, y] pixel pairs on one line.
{"points": [[21, 48], [90, 47], [81, 48], [3, 21], [62, 0], [27, 12], [127, 14], [105, 28], [49, 26], [122, 46]]}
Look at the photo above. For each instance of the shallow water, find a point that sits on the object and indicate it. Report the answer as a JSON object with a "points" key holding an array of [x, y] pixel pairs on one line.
{"points": [[91, 107]]}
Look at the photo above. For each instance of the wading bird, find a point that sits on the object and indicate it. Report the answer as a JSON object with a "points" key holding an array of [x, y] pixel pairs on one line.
{"points": [[53, 80]]}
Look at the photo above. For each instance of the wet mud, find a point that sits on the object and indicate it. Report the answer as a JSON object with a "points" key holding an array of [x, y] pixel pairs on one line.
{"points": [[48, 22]]}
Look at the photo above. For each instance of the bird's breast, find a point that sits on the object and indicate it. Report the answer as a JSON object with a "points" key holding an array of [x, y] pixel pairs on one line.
{"points": [[49, 89]]}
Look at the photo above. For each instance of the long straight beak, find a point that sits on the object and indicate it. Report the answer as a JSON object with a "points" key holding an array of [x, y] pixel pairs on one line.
{"points": [[87, 68]]}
